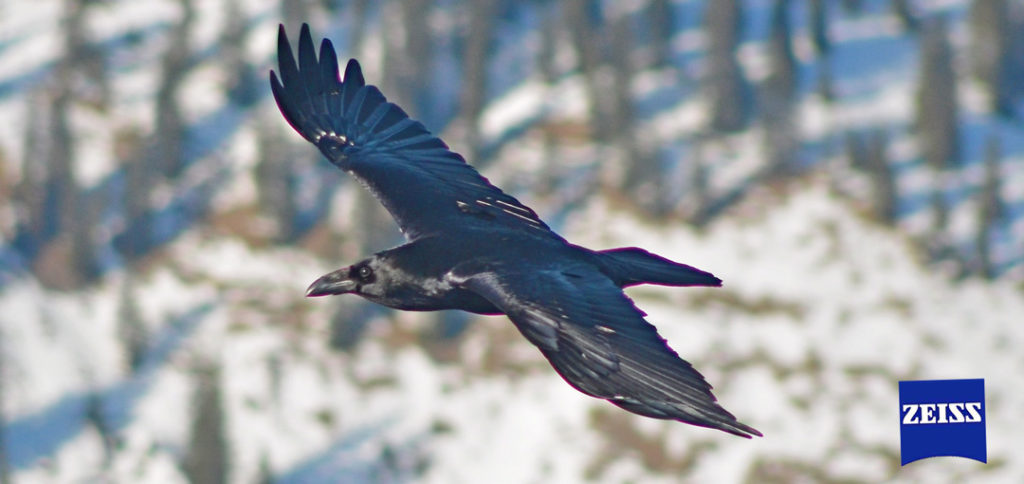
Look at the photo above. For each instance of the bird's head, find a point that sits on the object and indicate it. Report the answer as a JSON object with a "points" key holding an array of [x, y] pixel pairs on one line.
{"points": [[360, 278]]}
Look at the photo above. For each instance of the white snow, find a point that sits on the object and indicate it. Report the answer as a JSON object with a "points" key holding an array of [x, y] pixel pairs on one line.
{"points": [[821, 314]]}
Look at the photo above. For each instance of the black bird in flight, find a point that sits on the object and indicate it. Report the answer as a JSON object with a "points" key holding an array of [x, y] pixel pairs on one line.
{"points": [[472, 247]]}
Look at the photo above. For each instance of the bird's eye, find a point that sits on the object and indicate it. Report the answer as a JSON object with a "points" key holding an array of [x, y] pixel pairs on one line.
{"points": [[365, 272]]}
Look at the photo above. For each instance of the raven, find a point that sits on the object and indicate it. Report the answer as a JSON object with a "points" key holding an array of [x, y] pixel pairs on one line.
{"points": [[472, 247]]}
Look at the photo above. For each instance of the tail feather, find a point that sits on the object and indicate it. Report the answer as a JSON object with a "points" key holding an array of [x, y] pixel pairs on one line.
{"points": [[629, 266]]}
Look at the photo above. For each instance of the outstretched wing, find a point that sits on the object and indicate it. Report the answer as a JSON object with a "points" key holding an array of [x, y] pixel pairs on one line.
{"points": [[425, 186], [599, 342]]}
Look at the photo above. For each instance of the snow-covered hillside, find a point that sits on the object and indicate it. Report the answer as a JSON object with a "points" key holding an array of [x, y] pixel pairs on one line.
{"points": [[804, 344], [160, 223]]}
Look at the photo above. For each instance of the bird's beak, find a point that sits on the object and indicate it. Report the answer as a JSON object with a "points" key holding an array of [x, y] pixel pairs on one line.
{"points": [[336, 282]]}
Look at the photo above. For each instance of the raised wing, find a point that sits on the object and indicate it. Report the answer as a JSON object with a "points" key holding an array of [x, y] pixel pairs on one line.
{"points": [[425, 186], [599, 342]]}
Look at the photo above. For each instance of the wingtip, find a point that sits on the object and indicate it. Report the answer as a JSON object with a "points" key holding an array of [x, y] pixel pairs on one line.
{"points": [[305, 36], [740, 430], [354, 73]]}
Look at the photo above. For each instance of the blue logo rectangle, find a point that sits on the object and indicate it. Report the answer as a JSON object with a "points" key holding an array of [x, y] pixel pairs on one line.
{"points": [[942, 418]]}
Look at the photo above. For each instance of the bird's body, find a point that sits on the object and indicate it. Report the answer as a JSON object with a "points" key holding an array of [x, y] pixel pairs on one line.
{"points": [[474, 248]]}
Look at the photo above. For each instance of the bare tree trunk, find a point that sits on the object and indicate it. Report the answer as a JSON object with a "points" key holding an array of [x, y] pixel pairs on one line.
{"points": [[5, 466], [275, 185], [135, 202], [584, 19], [474, 71], [726, 89], [937, 110], [131, 328], [936, 118], [997, 52], [779, 91], [991, 208], [242, 86], [662, 19], [883, 183], [206, 461], [170, 124]]}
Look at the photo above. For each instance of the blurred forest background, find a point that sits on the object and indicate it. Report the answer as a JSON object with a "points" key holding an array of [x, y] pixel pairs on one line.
{"points": [[131, 126]]}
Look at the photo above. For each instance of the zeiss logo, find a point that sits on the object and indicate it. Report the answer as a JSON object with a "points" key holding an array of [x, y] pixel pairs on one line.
{"points": [[942, 418], [937, 413]]}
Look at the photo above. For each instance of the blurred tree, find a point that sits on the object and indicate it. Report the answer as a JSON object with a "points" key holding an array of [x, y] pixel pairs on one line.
{"points": [[936, 124], [62, 256], [940, 208], [585, 20], [206, 459], [275, 179], [937, 106], [84, 61], [170, 132], [5, 466], [856, 151], [60, 186], [349, 322], [781, 83], [637, 172], [408, 56], [372, 225], [661, 17], [698, 199], [867, 153], [360, 11], [991, 208], [131, 328], [80, 77], [778, 92], [818, 21], [7, 181], [727, 91], [40, 214], [97, 418], [825, 84], [852, 6], [883, 181], [547, 65], [905, 12], [997, 52], [84, 247], [473, 94], [138, 186], [244, 87]]}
